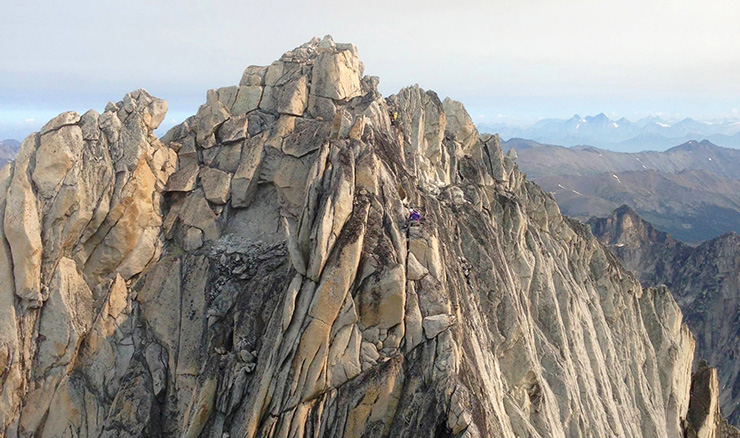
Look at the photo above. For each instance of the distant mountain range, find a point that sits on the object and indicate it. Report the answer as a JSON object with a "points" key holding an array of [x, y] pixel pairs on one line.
{"points": [[651, 133], [8, 150], [691, 190], [588, 160]]}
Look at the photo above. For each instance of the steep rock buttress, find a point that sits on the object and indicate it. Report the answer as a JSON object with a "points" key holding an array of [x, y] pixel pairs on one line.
{"points": [[704, 280], [254, 274]]}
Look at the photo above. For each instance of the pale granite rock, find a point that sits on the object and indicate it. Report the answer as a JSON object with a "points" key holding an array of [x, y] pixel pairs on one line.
{"points": [[22, 227], [294, 298], [293, 97], [337, 73], [183, 180], [703, 279], [216, 184]]}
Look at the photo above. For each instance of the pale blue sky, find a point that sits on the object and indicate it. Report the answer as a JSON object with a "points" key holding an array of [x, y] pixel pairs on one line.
{"points": [[518, 59]]}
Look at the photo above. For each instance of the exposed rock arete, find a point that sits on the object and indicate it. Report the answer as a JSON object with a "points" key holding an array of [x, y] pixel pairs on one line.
{"points": [[253, 274], [705, 280]]}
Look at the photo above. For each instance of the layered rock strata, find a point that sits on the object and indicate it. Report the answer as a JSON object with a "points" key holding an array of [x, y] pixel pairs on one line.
{"points": [[254, 274]]}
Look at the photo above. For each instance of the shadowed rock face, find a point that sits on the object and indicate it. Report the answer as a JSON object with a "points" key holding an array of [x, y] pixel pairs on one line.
{"points": [[253, 274], [705, 280], [704, 419]]}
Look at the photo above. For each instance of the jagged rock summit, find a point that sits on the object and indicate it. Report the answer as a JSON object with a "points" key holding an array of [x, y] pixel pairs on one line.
{"points": [[254, 273]]}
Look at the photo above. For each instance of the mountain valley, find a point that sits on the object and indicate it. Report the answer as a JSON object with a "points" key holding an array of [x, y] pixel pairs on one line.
{"points": [[691, 191]]}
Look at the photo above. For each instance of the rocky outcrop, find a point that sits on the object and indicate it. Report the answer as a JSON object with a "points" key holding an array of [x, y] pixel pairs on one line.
{"points": [[704, 419], [82, 213], [705, 280], [254, 274]]}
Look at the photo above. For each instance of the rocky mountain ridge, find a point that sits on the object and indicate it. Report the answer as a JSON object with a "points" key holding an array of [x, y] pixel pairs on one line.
{"points": [[691, 190], [705, 280], [586, 160], [8, 150], [254, 273], [647, 134]]}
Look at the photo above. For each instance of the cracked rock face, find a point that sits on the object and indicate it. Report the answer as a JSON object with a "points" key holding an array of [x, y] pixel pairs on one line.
{"points": [[704, 419], [82, 208], [254, 274], [705, 280]]}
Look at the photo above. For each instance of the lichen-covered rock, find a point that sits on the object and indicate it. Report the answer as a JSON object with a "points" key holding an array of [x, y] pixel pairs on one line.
{"points": [[184, 179], [65, 318], [22, 226], [295, 298], [56, 155], [422, 120], [233, 129], [293, 97], [460, 125]]}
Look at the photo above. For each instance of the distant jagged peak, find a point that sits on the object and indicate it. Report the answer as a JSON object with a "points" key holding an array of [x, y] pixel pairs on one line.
{"points": [[624, 226], [623, 210], [694, 145], [10, 144], [599, 117], [8, 150], [730, 238]]}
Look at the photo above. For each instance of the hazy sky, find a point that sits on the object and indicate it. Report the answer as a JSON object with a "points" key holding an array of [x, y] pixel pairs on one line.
{"points": [[507, 60]]}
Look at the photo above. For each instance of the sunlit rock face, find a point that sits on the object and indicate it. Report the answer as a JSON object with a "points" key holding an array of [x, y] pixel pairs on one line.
{"points": [[705, 281], [254, 273]]}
